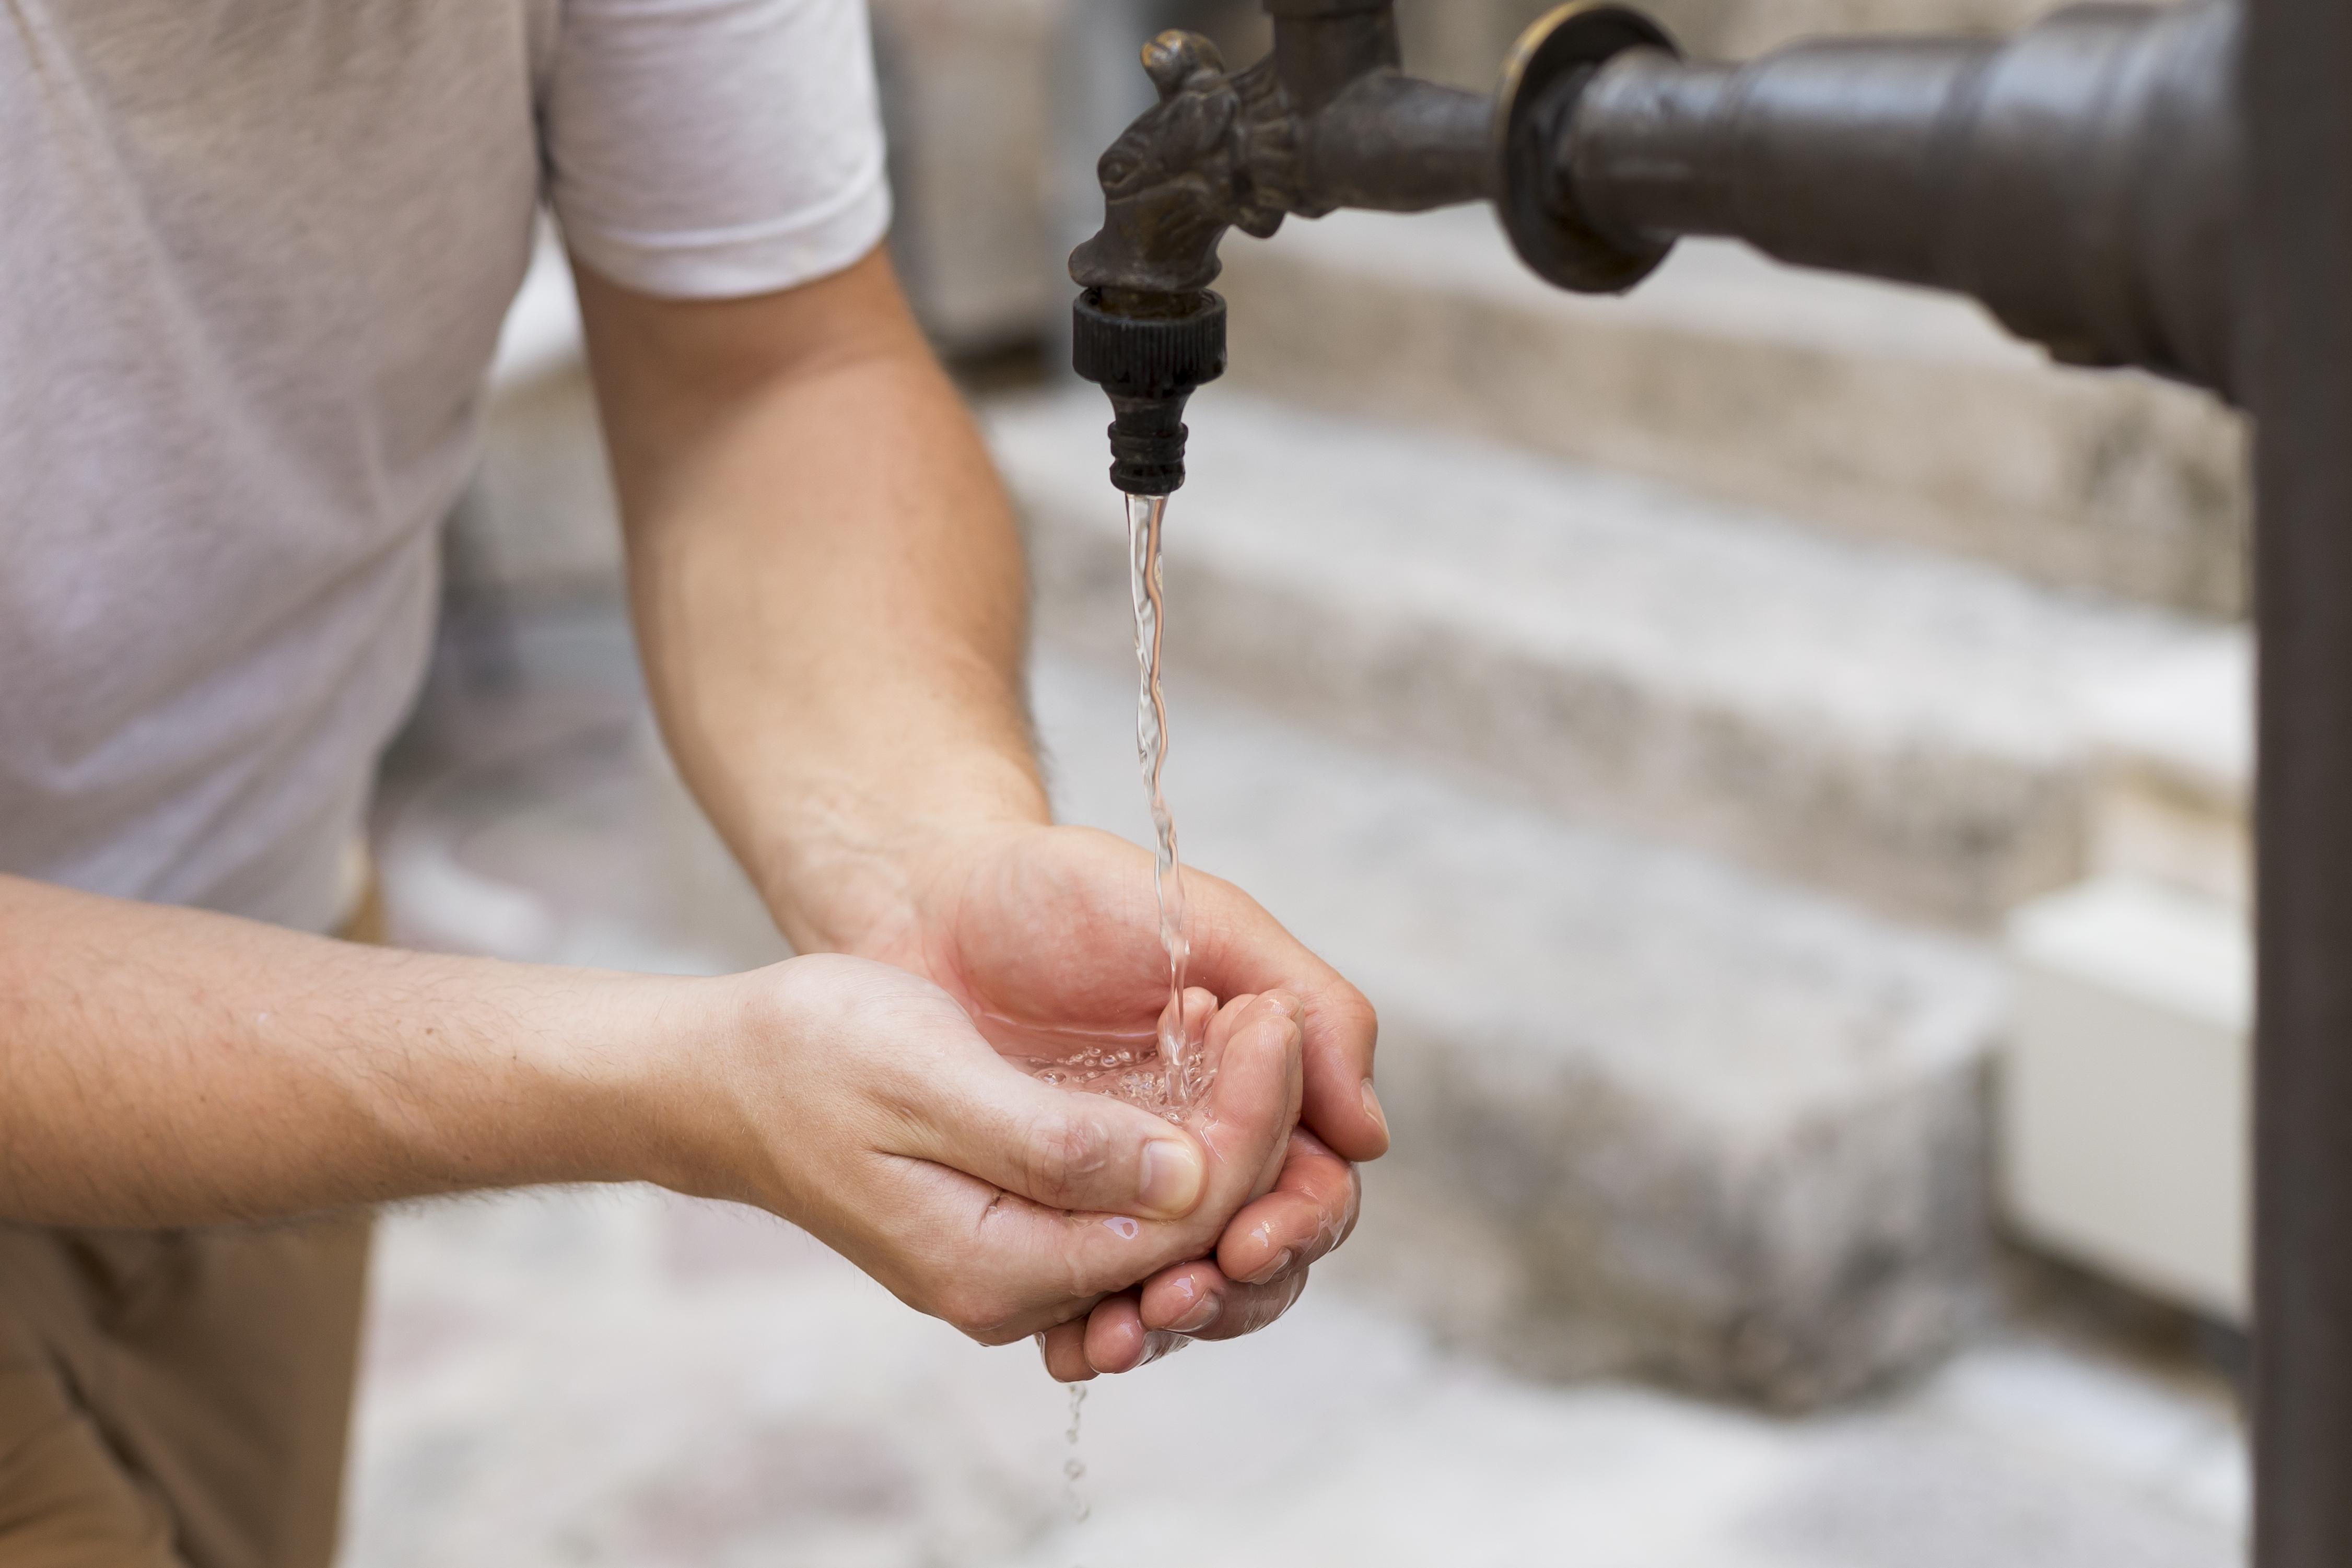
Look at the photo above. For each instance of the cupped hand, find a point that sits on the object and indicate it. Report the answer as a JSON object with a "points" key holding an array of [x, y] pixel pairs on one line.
{"points": [[1049, 937], [860, 1103]]}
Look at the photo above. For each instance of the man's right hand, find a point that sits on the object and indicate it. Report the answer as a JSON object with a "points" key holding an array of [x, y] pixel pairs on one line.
{"points": [[860, 1102], [170, 1067]]}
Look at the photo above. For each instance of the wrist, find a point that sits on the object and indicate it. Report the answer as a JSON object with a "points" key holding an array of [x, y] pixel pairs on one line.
{"points": [[701, 1096], [638, 1075], [858, 869]]}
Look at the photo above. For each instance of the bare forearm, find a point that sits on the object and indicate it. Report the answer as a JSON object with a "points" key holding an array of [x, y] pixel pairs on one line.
{"points": [[163, 1067], [829, 589]]}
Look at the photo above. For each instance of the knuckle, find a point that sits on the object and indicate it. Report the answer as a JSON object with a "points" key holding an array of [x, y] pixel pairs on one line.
{"points": [[1066, 1151], [1000, 1335], [977, 1314]]}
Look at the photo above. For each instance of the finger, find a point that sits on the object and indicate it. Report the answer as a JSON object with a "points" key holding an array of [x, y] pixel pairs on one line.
{"points": [[1215, 1028], [1311, 1210], [1253, 1105], [1245, 1130], [1063, 1346], [1115, 1334], [1117, 1342], [1200, 1012], [1265, 1253], [1197, 1301], [1081, 1153], [1237, 947]]}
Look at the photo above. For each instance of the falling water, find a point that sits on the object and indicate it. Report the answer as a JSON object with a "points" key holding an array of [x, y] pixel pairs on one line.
{"points": [[1074, 1468], [1144, 516]]}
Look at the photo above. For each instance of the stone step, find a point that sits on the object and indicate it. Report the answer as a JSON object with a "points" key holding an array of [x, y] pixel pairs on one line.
{"points": [[1651, 1113], [2172, 800], [1904, 729], [558, 1378], [1872, 410], [2126, 1102]]}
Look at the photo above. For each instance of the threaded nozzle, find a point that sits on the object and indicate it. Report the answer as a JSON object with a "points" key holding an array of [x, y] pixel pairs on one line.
{"points": [[1149, 355]]}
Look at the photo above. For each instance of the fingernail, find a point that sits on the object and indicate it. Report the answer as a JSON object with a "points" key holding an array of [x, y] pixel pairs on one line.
{"points": [[1373, 1107], [1281, 1261], [1171, 1178], [1204, 1313]]}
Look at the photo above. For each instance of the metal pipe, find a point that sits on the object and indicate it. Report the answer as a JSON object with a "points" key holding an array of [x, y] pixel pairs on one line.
{"points": [[2299, 374], [2079, 178], [1321, 47], [1391, 142]]}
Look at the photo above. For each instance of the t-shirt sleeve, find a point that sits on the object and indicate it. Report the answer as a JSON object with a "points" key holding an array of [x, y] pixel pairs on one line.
{"points": [[712, 149]]}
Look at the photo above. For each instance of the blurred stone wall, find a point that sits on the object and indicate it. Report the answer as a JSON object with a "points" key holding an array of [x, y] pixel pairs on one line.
{"points": [[968, 96], [1464, 41]]}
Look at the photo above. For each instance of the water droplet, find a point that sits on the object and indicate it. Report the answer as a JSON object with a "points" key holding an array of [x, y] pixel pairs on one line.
{"points": [[1074, 1470]]}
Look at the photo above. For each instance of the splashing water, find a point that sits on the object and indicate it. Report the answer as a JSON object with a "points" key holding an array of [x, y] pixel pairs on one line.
{"points": [[1185, 1079]]}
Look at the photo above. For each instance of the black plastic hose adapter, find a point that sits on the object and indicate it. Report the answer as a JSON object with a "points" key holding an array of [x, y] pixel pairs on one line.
{"points": [[1149, 351]]}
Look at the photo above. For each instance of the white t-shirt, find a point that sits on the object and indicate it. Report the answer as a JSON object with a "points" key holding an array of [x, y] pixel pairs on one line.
{"points": [[254, 255]]}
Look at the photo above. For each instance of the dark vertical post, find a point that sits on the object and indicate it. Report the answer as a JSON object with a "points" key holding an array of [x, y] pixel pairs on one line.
{"points": [[2298, 97]]}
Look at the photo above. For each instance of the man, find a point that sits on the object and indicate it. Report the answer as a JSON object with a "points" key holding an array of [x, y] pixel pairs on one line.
{"points": [[254, 259]]}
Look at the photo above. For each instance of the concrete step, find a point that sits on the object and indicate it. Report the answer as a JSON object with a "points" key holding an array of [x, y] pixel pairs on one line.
{"points": [[1876, 411], [1652, 1113], [1904, 729]]}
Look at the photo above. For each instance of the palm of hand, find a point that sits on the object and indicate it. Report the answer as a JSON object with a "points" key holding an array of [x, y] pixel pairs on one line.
{"points": [[1049, 937]]}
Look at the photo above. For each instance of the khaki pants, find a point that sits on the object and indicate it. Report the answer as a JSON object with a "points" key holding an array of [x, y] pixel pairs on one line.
{"points": [[179, 1399]]}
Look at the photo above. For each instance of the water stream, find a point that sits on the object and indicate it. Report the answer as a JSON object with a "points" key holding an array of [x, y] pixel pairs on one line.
{"points": [[1119, 1064], [1156, 1064], [1184, 1080]]}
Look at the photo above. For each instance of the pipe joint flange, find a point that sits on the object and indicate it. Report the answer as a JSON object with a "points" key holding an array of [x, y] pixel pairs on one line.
{"points": [[1544, 76]]}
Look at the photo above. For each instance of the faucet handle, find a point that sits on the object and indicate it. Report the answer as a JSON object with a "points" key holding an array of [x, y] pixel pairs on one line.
{"points": [[1174, 58]]}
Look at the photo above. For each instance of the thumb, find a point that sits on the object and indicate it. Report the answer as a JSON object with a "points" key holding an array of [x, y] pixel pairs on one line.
{"points": [[1084, 1152]]}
